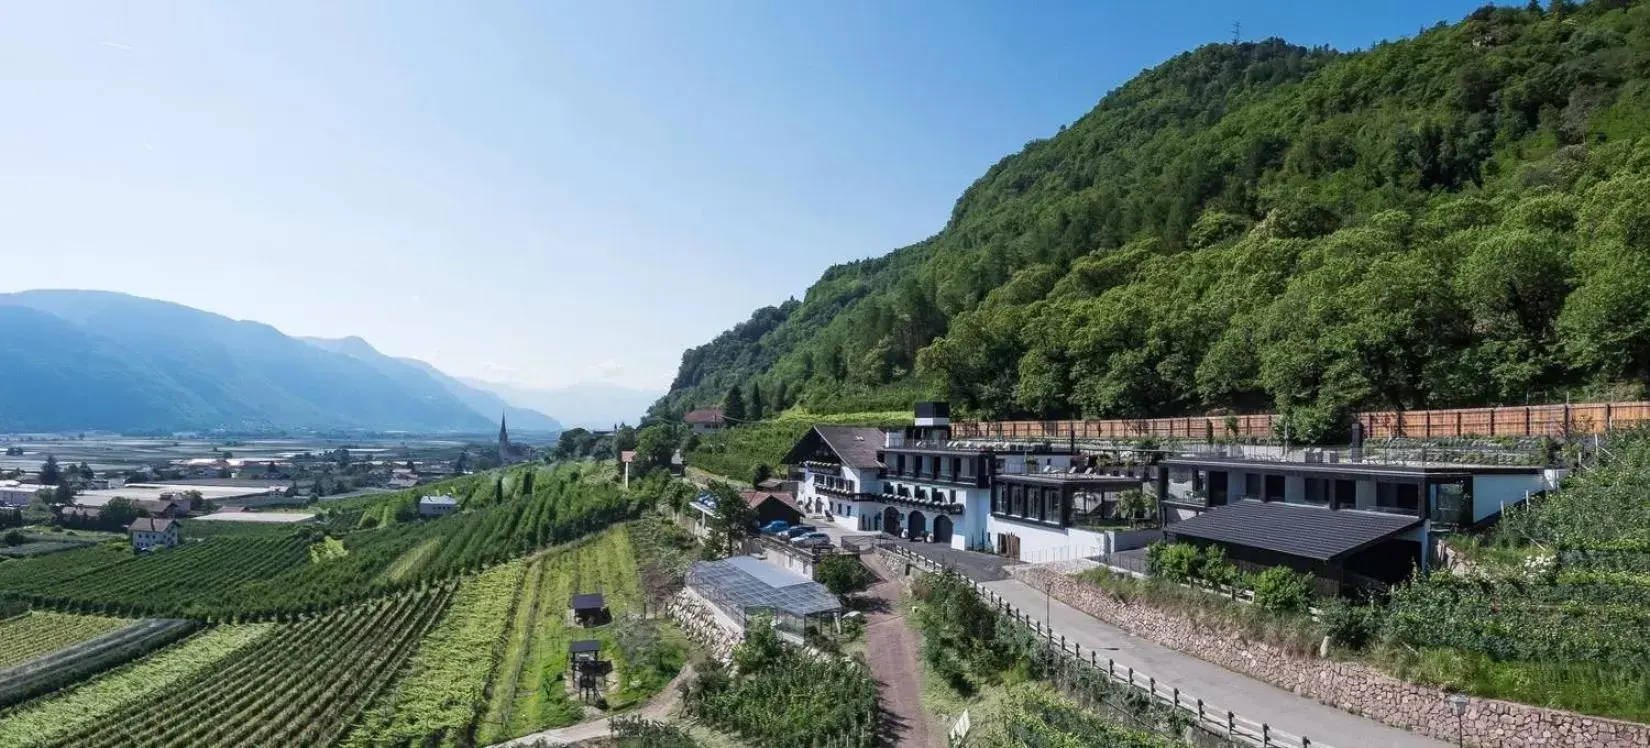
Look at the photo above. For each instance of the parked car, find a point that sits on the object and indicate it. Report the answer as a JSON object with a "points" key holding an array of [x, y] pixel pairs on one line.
{"points": [[800, 530], [812, 540], [776, 527]]}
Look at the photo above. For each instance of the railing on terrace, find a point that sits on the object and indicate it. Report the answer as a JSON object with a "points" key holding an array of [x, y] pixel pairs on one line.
{"points": [[1559, 421], [1214, 720]]}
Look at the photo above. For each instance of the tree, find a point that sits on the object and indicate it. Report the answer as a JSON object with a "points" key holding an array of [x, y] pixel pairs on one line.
{"points": [[63, 495], [462, 464], [842, 574], [732, 522], [733, 406], [655, 445], [754, 410], [761, 473], [194, 499], [50, 475], [85, 471], [118, 513]]}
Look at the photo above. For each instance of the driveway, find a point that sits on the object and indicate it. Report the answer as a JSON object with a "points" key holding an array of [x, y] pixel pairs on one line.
{"points": [[891, 649]]}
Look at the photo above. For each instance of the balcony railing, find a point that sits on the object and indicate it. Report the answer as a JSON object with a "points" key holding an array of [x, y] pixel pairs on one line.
{"points": [[947, 506]]}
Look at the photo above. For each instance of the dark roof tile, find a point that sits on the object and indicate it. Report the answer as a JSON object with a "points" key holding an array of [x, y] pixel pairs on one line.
{"points": [[1307, 531]]}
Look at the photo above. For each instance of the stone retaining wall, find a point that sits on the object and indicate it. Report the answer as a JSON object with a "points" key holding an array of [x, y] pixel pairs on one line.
{"points": [[1352, 687], [703, 624]]}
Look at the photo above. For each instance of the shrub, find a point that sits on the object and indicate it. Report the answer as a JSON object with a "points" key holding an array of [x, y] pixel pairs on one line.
{"points": [[1175, 562], [1216, 570], [1281, 590], [1351, 625]]}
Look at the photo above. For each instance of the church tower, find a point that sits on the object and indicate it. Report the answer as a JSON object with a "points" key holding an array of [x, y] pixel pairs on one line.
{"points": [[503, 442]]}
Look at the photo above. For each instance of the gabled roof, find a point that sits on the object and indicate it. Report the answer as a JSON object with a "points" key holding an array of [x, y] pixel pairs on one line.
{"points": [[755, 498], [854, 446], [1311, 532], [709, 416], [149, 524]]}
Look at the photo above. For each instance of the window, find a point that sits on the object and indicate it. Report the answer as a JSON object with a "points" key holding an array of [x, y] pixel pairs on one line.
{"points": [[1251, 485], [1402, 497], [1274, 488], [1315, 493]]}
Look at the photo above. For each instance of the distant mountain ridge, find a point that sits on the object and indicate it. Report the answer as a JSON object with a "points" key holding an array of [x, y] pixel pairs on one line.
{"points": [[415, 373], [591, 405], [84, 360]]}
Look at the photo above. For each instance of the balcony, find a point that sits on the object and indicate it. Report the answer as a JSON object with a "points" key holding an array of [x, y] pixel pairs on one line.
{"points": [[840, 491], [942, 505]]}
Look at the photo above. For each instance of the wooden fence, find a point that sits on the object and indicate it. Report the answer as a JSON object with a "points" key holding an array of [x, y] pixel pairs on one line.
{"points": [[1220, 722], [1557, 421]]}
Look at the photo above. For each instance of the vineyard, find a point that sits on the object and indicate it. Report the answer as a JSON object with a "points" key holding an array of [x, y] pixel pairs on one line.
{"points": [[302, 684], [68, 664], [493, 668], [267, 574], [52, 719], [34, 634], [1555, 611], [436, 702], [784, 697]]}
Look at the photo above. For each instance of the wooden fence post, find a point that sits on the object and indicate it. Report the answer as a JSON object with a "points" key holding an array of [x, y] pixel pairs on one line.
{"points": [[1265, 736], [1231, 724]]}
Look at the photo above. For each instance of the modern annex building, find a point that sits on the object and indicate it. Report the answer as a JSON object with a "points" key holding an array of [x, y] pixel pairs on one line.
{"points": [[1350, 517]]}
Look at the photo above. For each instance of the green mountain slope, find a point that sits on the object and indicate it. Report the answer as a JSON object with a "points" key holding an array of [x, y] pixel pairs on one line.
{"points": [[78, 360], [1457, 218]]}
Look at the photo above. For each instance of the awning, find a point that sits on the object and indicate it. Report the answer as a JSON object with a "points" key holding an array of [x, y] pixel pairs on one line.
{"points": [[1307, 531]]}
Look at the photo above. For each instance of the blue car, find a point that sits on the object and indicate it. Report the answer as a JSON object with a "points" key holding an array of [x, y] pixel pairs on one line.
{"points": [[776, 527], [799, 530]]}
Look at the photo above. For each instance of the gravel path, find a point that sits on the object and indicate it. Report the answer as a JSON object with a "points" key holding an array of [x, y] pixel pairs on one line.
{"points": [[892, 648]]}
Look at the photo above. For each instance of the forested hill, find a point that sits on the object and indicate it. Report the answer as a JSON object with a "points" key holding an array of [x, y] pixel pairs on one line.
{"points": [[1458, 218]]}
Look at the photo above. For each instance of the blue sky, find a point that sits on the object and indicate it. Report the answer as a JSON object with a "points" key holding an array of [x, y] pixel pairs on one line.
{"points": [[541, 192]]}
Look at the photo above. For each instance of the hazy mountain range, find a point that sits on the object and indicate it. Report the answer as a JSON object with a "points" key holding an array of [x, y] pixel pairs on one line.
{"points": [[592, 405], [97, 360]]}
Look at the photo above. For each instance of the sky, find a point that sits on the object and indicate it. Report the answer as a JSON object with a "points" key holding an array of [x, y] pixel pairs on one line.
{"points": [[544, 193]]}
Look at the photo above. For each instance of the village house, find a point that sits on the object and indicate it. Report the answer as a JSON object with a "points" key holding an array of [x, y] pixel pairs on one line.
{"points": [[437, 506], [704, 420], [151, 533]]}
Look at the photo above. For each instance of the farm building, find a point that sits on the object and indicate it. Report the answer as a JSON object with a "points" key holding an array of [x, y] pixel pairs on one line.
{"points": [[149, 533], [743, 586], [437, 506]]}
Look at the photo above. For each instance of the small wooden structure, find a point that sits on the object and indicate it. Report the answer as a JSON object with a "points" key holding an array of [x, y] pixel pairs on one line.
{"points": [[589, 609], [589, 669]]}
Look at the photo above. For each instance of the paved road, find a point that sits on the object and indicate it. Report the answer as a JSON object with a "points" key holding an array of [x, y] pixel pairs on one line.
{"points": [[1216, 685], [891, 648]]}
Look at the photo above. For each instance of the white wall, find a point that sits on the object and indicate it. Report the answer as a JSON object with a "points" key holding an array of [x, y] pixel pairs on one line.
{"points": [[1041, 543], [970, 530], [1491, 492]]}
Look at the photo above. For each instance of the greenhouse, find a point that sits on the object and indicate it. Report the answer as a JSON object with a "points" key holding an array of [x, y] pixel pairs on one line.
{"points": [[744, 586]]}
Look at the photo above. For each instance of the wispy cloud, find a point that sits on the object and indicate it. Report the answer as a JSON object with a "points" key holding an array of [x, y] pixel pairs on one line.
{"points": [[119, 46], [606, 370]]}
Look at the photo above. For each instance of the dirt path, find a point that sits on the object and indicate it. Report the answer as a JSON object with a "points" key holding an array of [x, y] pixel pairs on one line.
{"points": [[656, 709], [892, 648]]}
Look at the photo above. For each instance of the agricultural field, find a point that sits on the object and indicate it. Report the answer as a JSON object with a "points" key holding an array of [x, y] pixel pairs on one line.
{"points": [[301, 683], [494, 667], [37, 633], [1554, 608], [736, 452], [51, 720], [243, 574]]}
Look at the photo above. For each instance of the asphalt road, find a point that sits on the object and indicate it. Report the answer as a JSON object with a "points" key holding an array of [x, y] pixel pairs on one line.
{"points": [[1217, 686]]}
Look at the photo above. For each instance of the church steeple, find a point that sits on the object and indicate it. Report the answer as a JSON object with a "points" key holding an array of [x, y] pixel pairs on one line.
{"points": [[503, 441]]}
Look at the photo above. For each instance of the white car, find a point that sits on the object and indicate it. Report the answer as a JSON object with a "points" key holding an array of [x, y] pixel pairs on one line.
{"points": [[811, 540]]}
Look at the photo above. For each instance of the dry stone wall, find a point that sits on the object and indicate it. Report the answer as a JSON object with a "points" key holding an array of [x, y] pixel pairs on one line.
{"points": [[703, 625], [1352, 687]]}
